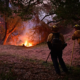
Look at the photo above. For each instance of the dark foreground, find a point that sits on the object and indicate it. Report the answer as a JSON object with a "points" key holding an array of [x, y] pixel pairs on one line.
{"points": [[15, 68]]}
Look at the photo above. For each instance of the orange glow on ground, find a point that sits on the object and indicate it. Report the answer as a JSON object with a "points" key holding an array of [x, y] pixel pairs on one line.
{"points": [[27, 44]]}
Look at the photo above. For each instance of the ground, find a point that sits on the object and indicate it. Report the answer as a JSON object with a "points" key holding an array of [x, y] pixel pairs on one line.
{"points": [[41, 51], [18, 58]]}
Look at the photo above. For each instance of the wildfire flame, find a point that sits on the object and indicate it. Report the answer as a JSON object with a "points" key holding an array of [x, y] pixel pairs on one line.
{"points": [[27, 44]]}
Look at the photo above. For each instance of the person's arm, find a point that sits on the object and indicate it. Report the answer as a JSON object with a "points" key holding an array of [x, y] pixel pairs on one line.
{"points": [[74, 36], [49, 45], [62, 38], [49, 41], [63, 41]]}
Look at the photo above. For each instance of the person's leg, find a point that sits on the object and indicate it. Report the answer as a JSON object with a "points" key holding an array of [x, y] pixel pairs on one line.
{"points": [[55, 63], [62, 63]]}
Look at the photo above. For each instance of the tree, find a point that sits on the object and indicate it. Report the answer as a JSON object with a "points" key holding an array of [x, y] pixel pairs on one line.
{"points": [[26, 8], [24, 11], [13, 23], [41, 29], [65, 10]]}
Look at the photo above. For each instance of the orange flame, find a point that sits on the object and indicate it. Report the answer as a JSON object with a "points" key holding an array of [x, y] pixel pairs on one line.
{"points": [[27, 44]]}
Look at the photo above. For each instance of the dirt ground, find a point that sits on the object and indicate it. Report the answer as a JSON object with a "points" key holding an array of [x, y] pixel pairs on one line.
{"points": [[41, 52]]}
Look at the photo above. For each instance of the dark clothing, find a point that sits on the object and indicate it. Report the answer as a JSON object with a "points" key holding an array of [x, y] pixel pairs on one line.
{"points": [[55, 56], [50, 45]]}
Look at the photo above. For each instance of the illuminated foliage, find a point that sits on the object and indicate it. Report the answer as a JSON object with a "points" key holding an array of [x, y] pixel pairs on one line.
{"points": [[19, 8], [13, 23]]}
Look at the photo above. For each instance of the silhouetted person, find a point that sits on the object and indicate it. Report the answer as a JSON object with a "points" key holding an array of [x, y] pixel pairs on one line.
{"points": [[76, 34], [56, 51]]}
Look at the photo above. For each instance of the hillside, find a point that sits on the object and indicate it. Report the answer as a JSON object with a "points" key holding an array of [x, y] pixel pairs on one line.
{"points": [[41, 51], [25, 63]]}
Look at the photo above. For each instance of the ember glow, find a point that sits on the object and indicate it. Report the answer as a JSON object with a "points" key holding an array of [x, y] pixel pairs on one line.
{"points": [[27, 44]]}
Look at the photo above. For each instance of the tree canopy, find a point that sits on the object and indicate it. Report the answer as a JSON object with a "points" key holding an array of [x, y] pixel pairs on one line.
{"points": [[23, 8], [62, 11], [68, 10]]}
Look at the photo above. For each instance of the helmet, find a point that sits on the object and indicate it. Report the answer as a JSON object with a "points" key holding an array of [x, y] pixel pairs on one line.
{"points": [[77, 26], [55, 28]]}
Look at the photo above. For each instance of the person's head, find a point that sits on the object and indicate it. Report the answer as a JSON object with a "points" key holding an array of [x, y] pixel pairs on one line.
{"points": [[77, 27], [55, 28]]}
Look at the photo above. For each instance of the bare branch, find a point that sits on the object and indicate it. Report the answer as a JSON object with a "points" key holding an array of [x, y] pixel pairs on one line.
{"points": [[57, 21], [44, 17], [47, 15], [14, 27]]}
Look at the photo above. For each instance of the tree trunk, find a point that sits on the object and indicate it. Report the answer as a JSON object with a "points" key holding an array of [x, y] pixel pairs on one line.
{"points": [[5, 39]]}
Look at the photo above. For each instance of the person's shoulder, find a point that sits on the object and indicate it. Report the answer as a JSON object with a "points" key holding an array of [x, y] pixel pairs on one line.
{"points": [[50, 34], [76, 31]]}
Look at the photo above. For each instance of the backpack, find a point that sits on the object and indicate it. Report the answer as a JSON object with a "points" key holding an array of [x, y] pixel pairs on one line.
{"points": [[56, 42]]}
